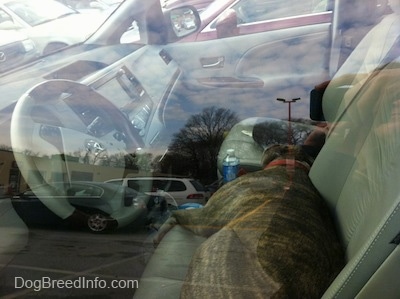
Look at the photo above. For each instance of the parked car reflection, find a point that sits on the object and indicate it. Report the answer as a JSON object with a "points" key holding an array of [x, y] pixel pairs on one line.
{"points": [[200, 5], [103, 110], [107, 206], [92, 6], [177, 191], [15, 49], [226, 18], [49, 23]]}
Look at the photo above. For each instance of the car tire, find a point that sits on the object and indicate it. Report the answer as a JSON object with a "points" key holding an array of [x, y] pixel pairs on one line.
{"points": [[97, 222]]}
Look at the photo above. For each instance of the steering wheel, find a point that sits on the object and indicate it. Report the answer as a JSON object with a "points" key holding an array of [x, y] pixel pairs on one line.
{"points": [[61, 118]]}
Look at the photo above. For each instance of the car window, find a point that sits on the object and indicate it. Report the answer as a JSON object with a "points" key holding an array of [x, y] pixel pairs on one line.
{"points": [[44, 190], [144, 185], [174, 186], [35, 13], [82, 190], [4, 17], [135, 185], [164, 158], [197, 185], [250, 11], [160, 184], [116, 182], [31, 192], [130, 192]]}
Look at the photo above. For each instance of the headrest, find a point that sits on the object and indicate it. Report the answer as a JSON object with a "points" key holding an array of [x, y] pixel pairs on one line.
{"points": [[364, 13]]}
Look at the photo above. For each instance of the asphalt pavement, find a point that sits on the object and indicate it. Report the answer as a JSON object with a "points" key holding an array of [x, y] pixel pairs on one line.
{"points": [[77, 264]]}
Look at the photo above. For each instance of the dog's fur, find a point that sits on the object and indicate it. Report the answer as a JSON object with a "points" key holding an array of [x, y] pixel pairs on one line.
{"points": [[269, 235]]}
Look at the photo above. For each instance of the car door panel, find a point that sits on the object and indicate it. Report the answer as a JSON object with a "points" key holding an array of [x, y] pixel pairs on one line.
{"points": [[217, 70], [34, 212]]}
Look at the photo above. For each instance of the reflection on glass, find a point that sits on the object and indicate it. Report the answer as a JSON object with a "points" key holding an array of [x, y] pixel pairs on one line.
{"points": [[183, 20]]}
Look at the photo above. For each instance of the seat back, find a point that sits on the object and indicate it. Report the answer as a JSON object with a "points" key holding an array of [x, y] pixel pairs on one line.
{"points": [[354, 20], [357, 172], [358, 169]]}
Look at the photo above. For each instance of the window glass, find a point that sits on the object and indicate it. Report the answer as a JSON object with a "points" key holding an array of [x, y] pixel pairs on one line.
{"points": [[82, 176], [4, 17], [197, 185], [249, 11], [44, 190], [38, 173], [35, 192], [124, 127], [136, 185], [129, 192], [159, 185], [116, 182], [57, 176], [175, 186], [82, 190], [144, 185], [39, 12]]}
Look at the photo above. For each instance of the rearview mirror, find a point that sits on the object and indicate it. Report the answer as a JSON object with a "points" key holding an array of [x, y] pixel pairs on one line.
{"points": [[184, 20]]}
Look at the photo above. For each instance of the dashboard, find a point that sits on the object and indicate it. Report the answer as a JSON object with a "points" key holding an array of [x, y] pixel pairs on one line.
{"points": [[124, 79], [141, 95]]}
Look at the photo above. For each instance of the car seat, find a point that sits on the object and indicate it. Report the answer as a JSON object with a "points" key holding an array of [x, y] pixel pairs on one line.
{"points": [[373, 47], [360, 157], [357, 169], [356, 172], [355, 20]]}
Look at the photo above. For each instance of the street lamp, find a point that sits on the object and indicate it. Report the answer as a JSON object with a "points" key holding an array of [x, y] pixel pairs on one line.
{"points": [[289, 102]]}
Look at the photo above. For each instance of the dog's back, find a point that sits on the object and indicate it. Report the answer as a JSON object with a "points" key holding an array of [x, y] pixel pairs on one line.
{"points": [[251, 192], [276, 222]]}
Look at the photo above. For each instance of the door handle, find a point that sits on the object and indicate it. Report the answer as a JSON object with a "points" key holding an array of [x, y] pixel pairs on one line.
{"points": [[212, 62]]}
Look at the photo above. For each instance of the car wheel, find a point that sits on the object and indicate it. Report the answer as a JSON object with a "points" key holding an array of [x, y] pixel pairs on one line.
{"points": [[98, 222]]}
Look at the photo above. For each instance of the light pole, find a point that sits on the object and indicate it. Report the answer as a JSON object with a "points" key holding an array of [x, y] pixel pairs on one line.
{"points": [[289, 102]]}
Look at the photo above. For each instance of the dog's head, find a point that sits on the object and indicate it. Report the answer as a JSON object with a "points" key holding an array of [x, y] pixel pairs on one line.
{"points": [[281, 151]]}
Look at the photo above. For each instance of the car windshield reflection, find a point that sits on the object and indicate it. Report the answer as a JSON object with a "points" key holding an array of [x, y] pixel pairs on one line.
{"points": [[199, 149], [35, 13]]}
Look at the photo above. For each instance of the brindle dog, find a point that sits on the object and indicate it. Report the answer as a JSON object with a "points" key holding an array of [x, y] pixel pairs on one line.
{"points": [[270, 235]]}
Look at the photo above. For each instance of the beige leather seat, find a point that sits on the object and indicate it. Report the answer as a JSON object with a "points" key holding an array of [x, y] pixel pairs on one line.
{"points": [[357, 172], [358, 168]]}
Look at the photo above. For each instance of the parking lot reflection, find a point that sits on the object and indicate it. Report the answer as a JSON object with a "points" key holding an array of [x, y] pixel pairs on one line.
{"points": [[68, 263]]}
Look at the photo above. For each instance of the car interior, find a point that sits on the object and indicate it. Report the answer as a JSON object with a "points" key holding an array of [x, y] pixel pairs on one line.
{"points": [[358, 188], [81, 107]]}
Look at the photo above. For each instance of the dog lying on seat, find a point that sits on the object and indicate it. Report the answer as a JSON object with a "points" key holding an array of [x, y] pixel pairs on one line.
{"points": [[270, 235]]}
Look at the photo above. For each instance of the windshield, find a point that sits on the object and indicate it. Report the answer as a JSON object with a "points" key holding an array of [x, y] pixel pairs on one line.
{"points": [[111, 2], [38, 12], [250, 151]]}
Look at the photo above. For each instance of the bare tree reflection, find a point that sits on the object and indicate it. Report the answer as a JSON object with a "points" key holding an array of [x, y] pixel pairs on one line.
{"points": [[277, 132], [194, 149]]}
